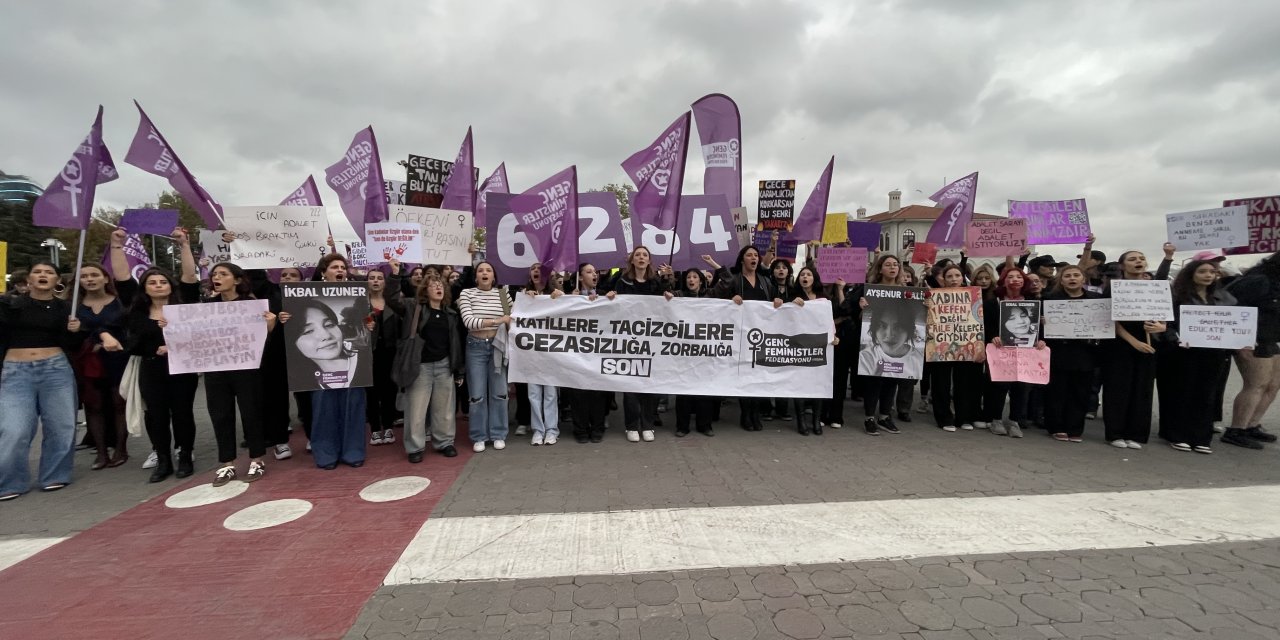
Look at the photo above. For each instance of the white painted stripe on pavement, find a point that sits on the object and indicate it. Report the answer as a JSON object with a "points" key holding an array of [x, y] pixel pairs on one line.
{"points": [[15, 550], [575, 544]]}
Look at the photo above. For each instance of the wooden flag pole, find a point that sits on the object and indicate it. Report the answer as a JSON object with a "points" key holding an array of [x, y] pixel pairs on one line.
{"points": [[75, 290]]}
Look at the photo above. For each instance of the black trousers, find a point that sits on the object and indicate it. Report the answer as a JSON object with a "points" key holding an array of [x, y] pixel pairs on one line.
{"points": [[833, 409], [303, 400], [639, 411], [589, 410], [1127, 388], [997, 392], [701, 407], [224, 391], [954, 382], [1183, 377], [1067, 400], [878, 395], [524, 411], [906, 393], [380, 400], [169, 400], [275, 398]]}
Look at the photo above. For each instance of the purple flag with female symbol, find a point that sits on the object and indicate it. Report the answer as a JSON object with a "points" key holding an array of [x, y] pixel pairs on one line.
{"points": [[68, 202], [459, 191], [151, 153], [720, 131], [956, 200], [357, 178], [305, 196], [808, 225], [548, 216], [658, 172]]}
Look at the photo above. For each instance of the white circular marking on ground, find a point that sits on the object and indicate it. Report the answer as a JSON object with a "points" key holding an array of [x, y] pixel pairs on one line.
{"points": [[395, 488], [267, 514], [205, 494]]}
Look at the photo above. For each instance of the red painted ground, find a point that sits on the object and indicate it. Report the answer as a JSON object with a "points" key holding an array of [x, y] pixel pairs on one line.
{"points": [[156, 572]]}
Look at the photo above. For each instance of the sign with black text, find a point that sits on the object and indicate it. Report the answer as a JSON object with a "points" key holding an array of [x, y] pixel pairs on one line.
{"points": [[1213, 327], [215, 336], [776, 206]]}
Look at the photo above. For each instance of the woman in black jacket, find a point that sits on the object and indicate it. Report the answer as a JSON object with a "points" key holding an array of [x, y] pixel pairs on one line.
{"points": [[639, 410], [386, 307], [1260, 367], [1186, 416], [430, 399], [746, 281], [1066, 399], [694, 285]]}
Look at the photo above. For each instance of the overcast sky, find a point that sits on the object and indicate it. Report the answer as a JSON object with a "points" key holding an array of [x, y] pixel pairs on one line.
{"points": [[1143, 108]]}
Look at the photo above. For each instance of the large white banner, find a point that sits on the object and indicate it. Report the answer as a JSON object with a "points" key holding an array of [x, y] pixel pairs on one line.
{"points": [[215, 336], [277, 237], [648, 344]]}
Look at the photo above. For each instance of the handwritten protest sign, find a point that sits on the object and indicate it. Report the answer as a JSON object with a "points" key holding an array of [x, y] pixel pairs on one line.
{"points": [[924, 253], [835, 229], [1080, 319], [849, 263], [1053, 221], [955, 325], [1141, 300], [399, 240], [157, 222], [741, 227], [1264, 224], [356, 254], [215, 336], [996, 238], [445, 233], [1011, 364], [776, 205], [1209, 228], [214, 249], [864, 234], [1218, 327], [277, 237]]}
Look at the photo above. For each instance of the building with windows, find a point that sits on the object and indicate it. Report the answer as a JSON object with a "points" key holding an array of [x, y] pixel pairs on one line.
{"points": [[18, 188], [901, 227]]}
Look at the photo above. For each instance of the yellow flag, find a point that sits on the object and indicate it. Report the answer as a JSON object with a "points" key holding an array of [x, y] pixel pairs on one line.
{"points": [[834, 229]]}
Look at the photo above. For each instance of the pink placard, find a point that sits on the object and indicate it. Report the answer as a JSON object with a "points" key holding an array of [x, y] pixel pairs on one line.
{"points": [[1011, 364], [849, 263], [996, 238]]}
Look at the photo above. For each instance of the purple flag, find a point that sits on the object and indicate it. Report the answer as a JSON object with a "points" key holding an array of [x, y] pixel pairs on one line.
{"points": [[658, 172], [720, 130], [956, 200], [496, 183], [460, 187], [808, 225], [134, 251], [156, 222], [357, 178], [151, 153], [305, 196], [548, 216], [68, 202]]}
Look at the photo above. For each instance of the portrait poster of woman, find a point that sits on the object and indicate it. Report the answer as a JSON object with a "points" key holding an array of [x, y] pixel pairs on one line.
{"points": [[1019, 323], [893, 333], [327, 339]]}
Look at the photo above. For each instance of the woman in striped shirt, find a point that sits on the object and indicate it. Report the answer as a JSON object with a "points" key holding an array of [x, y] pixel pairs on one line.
{"points": [[485, 308]]}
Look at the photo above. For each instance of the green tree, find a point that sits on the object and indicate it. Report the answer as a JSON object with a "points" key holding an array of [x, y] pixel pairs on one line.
{"points": [[620, 191]]}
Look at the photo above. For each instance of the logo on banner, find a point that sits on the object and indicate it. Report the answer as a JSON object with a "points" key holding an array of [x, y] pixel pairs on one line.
{"points": [[721, 155], [780, 350], [634, 367]]}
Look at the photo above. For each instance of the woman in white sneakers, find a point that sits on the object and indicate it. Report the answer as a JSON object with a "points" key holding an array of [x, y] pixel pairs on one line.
{"points": [[485, 308]]}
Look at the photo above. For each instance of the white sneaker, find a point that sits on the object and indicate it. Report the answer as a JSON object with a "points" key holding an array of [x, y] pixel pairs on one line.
{"points": [[308, 446], [981, 425], [835, 425], [388, 436], [522, 430], [1120, 444], [537, 439], [283, 452], [1218, 428], [549, 440], [376, 438], [925, 406], [966, 427], [949, 428], [151, 461], [647, 435], [477, 447], [499, 444], [633, 436], [1132, 445], [1090, 416]]}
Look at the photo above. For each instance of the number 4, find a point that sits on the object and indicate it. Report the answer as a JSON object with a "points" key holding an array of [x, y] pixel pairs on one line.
{"points": [[709, 231]]}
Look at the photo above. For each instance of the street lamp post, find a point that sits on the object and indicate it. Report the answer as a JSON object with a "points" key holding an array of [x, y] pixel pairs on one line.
{"points": [[54, 247]]}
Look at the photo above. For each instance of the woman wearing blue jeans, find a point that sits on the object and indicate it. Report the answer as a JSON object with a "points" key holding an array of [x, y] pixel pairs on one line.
{"points": [[38, 385], [485, 308]]}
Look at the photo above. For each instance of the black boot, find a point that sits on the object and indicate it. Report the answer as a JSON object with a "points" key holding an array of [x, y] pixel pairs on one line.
{"points": [[185, 466], [801, 425], [164, 467]]}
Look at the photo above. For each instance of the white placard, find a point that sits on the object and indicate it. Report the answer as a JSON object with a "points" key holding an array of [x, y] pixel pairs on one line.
{"points": [[1141, 300], [215, 336], [445, 233], [686, 345], [1218, 327], [1080, 319], [277, 237], [213, 248], [1220, 228], [387, 240]]}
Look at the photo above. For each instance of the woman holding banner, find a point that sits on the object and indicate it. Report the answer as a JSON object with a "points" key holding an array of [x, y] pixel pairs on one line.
{"points": [[809, 287], [954, 382], [485, 308], [893, 335], [543, 400], [1129, 375], [1008, 287], [638, 277], [590, 406], [1188, 425], [38, 386], [784, 284], [225, 390], [746, 281], [99, 364], [1066, 398], [702, 408]]}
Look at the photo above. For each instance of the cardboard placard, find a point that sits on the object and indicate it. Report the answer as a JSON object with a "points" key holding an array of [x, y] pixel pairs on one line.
{"points": [[399, 240], [277, 237], [776, 205], [1213, 327], [1011, 364], [215, 336], [1053, 221], [835, 229], [1019, 323], [996, 238], [1208, 228], [849, 263], [1079, 319], [924, 253], [955, 325], [1141, 300], [864, 234], [156, 222], [445, 233]]}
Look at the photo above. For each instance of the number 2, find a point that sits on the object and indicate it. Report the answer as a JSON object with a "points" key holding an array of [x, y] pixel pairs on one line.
{"points": [[589, 241]]}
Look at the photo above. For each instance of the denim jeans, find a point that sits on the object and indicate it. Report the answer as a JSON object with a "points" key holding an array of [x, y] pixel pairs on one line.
{"points": [[487, 387], [42, 391], [544, 403], [337, 426], [430, 395]]}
